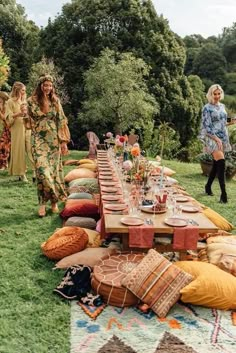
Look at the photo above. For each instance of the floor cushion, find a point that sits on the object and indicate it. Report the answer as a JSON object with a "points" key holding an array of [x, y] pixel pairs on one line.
{"points": [[89, 166], [220, 245], [212, 287], [89, 257], [83, 222], [91, 184], [85, 208], [65, 241], [228, 263], [217, 219], [94, 238], [108, 275], [86, 161], [80, 195], [79, 173], [157, 282]]}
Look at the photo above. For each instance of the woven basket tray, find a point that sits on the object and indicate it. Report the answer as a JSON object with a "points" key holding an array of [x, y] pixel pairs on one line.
{"points": [[107, 277]]}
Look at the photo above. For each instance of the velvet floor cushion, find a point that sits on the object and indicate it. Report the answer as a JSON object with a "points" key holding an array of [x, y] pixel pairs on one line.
{"points": [[79, 173], [80, 195], [65, 241], [91, 184], [212, 287], [157, 282], [83, 222], [85, 208]]}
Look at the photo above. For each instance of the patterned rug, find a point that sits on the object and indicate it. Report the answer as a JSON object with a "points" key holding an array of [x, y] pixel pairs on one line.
{"points": [[187, 329]]}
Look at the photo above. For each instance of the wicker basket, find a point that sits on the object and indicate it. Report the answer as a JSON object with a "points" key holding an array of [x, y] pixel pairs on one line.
{"points": [[107, 277]]}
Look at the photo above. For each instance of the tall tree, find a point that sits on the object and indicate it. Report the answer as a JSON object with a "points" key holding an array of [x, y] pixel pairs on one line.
{"points": [[20, 39], [86, 27], [4, 66], [117, 94]]}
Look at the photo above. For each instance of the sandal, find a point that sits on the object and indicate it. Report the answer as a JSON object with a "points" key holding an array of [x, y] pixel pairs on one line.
{"points": [[54, 208], [42, 211]]}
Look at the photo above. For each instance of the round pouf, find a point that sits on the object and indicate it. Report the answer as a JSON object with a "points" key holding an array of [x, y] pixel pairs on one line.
{"points": [[107, 277]]}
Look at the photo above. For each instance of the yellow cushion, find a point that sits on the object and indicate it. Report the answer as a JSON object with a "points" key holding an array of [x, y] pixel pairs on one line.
{"points": [[94, 238], [212, 287], [216, 250], [90, 166], [217, 219], [86, 160]]}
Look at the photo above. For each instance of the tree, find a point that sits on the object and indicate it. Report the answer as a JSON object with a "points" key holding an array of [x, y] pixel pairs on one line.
{"points": [[20, 39], [117, 94], [210, 64], [4, 66], [86, 27], [228, 44], [43, 67]]}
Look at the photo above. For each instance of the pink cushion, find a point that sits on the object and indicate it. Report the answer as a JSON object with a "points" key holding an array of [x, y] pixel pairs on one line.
{"points": [[80, 208]]}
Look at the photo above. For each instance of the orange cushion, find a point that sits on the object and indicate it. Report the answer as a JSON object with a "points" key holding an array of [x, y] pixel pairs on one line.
{"points": [[80, 208], [79, 173], [64, 242]]}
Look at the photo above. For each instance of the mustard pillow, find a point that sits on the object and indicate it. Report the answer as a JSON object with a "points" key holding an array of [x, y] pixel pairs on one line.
{"points": [[94, 238], [217, 219], [86, 161], [212, 287]]}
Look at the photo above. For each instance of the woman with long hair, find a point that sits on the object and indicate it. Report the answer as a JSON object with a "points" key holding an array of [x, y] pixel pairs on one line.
{"points": [[5, 135], [214, 135], [50, 135], [16, 111]]}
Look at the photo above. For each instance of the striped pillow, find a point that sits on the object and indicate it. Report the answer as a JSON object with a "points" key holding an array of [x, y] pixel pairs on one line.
{"points": [[157, 282]]}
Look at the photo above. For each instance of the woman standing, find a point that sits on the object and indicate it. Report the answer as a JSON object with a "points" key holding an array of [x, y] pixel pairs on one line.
{"points": [[50, 135], [5, 135], [215, 137]]}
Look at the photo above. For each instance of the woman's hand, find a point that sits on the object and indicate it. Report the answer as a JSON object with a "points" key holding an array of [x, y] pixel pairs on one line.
{"points": [[64, 149]]}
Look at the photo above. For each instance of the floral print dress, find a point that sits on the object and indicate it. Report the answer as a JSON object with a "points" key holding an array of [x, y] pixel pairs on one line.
{"points": [[48, 131], [5, 145], [214, 119]]}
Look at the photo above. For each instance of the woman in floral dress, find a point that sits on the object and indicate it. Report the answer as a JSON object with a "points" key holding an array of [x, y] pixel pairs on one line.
{"points": [[5, 135], [214, 135], [50, 135]]}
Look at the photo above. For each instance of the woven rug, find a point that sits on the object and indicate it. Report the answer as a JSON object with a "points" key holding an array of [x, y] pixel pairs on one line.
{"points": [[186, 329]]}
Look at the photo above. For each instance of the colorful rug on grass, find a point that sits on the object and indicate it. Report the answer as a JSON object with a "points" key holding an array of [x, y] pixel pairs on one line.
{"points": [[187, 329]]}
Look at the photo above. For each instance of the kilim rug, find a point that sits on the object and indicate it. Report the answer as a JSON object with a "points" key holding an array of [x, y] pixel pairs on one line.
{"points": [[186, 329]]}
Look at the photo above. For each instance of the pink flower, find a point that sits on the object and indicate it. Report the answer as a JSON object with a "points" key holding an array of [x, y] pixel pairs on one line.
{"points": [[127, 165], [109, 134]]}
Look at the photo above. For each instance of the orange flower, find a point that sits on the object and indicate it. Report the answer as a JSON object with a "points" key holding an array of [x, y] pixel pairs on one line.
{"points": [[135, 151]]}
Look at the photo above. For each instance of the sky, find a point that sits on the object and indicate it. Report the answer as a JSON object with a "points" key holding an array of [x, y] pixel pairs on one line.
{"points": [[185, 17]]}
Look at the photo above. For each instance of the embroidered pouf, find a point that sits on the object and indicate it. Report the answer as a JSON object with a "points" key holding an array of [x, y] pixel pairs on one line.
{"points": [[108, 275]]}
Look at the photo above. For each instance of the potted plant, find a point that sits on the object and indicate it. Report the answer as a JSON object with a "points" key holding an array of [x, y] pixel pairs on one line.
{"points": [[205, 160]]}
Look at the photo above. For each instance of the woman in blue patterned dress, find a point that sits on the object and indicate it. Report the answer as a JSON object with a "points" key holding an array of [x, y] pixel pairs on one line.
{"points": [[215, 136], [50, 135]]}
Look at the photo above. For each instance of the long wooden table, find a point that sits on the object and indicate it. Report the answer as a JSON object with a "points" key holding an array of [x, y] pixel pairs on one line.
{"points": [[114, 225]]}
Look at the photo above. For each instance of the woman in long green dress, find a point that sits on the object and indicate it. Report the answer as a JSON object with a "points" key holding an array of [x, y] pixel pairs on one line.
{"points": [[50, 135]]}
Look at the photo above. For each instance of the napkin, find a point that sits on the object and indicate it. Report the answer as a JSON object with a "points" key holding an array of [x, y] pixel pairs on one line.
{"points": [[185, 238], [141, 236]]}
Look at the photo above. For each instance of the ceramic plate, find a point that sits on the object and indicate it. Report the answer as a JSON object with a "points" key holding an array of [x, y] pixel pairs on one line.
{"points": [[111, 197], [149, 209], [109, 189], [105, 177], [181, 199], [109, 183], [105, 173], [132, 221], [190, 208], [175, 222], [115, 207]]}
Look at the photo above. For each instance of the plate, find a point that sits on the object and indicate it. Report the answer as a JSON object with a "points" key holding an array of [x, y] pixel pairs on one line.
{"points": [[189, 208], [109, 189], [149, 209], [175, 222], [181, 199], [108, 183], [132, 221], [105, 173], [115, 207], [105, 177], [111, 197]]}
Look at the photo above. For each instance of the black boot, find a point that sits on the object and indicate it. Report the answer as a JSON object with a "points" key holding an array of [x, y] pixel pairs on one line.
{"points": [[221, 177], [211, 178]]}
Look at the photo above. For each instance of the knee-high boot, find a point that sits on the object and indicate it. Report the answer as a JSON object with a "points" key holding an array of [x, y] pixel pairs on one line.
{"points": [[211, 178], [221, 178]]}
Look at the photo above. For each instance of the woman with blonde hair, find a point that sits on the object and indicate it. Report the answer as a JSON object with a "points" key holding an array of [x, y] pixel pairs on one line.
{"points": [[214, 135], [50, 135], [16, 111], [5, 135]]}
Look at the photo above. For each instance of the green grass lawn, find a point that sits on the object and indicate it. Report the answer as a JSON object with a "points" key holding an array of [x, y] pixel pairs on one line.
{"points": [[33, 319]]}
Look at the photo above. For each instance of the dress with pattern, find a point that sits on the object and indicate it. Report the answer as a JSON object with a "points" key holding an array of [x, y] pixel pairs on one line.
{"points": [[5, 145], [214, 119], [48, 131]]}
